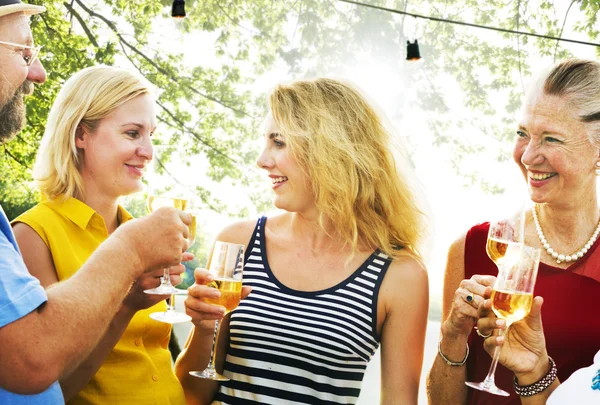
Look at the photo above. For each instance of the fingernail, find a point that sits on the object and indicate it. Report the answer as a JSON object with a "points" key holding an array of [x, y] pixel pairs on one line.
{"points": [[500, 340], [500, 322], [216, 294], [210, 277]]}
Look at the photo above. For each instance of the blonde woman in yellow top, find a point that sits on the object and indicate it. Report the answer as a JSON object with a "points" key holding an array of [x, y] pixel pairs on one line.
{"points": [[94, 150]]}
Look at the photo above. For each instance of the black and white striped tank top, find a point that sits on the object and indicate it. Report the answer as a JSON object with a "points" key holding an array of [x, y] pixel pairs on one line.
{"points": [[289, 346]]}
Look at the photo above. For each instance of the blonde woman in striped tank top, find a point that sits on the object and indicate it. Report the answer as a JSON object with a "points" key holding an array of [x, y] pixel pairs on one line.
{"points": [[332, 277]]}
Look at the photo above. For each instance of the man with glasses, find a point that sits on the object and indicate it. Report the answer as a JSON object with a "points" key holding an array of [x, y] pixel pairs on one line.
{"points": [[41, 338]]}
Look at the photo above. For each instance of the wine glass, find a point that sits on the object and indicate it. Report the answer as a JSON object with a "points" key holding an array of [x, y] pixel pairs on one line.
{"points": [[503, 233], [226, 264], [512, 296], [165, 190]]}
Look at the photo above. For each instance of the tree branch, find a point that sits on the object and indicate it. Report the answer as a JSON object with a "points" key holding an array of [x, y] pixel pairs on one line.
{"points": [[175, 79], [13, 157], [192, 132], [181, 124], [89, 34]]}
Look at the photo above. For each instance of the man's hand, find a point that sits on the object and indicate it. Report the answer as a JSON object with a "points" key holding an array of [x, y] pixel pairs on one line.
{"points": [[137, 299], [158, 240]]}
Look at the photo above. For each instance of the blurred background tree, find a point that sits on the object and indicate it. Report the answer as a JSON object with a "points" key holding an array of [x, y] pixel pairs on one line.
{"points": [[208, 70]]}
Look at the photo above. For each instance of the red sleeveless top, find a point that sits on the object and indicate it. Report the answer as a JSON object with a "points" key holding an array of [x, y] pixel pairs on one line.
{"points": [[569, 314]]}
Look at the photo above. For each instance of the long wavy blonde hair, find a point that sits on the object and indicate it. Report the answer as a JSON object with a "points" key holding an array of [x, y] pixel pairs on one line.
{"points": [[85, 99], [341, 144]]}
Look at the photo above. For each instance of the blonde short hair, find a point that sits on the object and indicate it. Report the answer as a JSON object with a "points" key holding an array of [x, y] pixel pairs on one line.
{"points": [[341, 144], [84, 100]]}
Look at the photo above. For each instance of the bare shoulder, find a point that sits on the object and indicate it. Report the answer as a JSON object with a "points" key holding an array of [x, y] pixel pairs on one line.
{"points": [[26, 236], [237, 232], [406, 274], [455, 264], [405, 288], [36, 254], [456, 252]]}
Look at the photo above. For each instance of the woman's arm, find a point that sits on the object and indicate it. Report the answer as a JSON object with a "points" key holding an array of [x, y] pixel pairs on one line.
{"points": [[196, 353], [446, 383], [403, 330]]}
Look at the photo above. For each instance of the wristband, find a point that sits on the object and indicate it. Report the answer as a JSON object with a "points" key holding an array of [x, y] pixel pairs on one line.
{"points": [[537, 387]]}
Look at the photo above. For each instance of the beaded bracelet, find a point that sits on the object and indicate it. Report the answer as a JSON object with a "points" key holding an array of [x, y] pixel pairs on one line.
{"points": [[537, 387], [450, 362]]}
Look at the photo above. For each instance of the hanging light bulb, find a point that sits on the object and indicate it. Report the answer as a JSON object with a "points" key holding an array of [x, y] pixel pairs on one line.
{"points": [[178, 10], [412, 51]]}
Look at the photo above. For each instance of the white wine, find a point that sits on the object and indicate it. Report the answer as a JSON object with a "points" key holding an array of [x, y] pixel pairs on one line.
{"points": [[156, 202], [231, 293], [511, 305], [496, 249]]}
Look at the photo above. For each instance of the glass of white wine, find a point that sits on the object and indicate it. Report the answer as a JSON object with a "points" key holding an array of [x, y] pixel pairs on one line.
{"points": [[512, 296], [503, 233], [166, 190], [226, 264]]}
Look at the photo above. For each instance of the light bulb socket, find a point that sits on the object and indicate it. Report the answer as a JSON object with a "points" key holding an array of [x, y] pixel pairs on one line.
{"points": [[178, 10], [412, 50]]}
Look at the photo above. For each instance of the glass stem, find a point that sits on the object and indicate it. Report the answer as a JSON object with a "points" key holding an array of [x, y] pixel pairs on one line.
{"points": [[166, 278], [489, 379], [211, 364], [171, 303]]}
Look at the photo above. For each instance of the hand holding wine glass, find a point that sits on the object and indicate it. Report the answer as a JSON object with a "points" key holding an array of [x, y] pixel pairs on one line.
{"points": [[511, 298], [137, 299], [523, 345], [226, 265], [165, 190]]}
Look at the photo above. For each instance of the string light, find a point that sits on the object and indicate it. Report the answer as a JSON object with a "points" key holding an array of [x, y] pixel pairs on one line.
{"points": [[178, 10], [391, 10], [412, 51]]}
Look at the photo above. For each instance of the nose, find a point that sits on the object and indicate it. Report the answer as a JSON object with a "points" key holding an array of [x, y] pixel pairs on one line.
{"points": [[37, 73], [145, 150], [264, 160], [531, 155]]}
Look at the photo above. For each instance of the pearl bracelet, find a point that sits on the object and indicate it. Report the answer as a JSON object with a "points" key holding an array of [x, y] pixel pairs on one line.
{"points": [[450, 362], [537, 387]]}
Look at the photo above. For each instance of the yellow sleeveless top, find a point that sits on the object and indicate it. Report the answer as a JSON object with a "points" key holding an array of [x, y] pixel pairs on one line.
{"points": [[139, 369]]}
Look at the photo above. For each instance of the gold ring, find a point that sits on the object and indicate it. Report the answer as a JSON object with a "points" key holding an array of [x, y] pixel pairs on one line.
{"points": [[481, 334], [470, 298]]}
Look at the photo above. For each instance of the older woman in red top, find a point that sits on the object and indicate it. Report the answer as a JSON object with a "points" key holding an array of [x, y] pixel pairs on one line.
{"points": [[557, 147]]}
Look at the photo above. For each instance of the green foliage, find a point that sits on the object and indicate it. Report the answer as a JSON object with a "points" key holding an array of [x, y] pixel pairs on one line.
{"points": [[208, 108]]}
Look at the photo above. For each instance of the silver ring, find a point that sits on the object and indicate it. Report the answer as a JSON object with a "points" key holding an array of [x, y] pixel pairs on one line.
{"points": [[470, 298], [481, 334]]}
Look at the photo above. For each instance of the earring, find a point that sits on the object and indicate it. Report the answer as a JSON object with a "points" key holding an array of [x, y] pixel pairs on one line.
{"points": [[597, 168]]}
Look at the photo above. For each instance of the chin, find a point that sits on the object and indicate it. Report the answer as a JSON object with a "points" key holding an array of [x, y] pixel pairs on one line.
{"points": [[282, 205], [537, 198], [131, 189]]}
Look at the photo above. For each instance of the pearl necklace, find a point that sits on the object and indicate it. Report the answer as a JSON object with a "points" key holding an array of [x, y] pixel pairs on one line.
{"points": [[555, 255]]}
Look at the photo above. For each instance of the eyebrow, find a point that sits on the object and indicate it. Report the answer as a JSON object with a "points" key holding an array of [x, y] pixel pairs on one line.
{"points": [[274, 135], [137, 124]]}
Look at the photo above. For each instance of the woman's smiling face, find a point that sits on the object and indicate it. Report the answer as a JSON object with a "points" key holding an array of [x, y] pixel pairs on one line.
{"points": [[292, 187], [554, 152]]}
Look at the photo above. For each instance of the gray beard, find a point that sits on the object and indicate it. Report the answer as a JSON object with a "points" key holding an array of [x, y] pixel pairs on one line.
{"points": [[12, 113]]}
